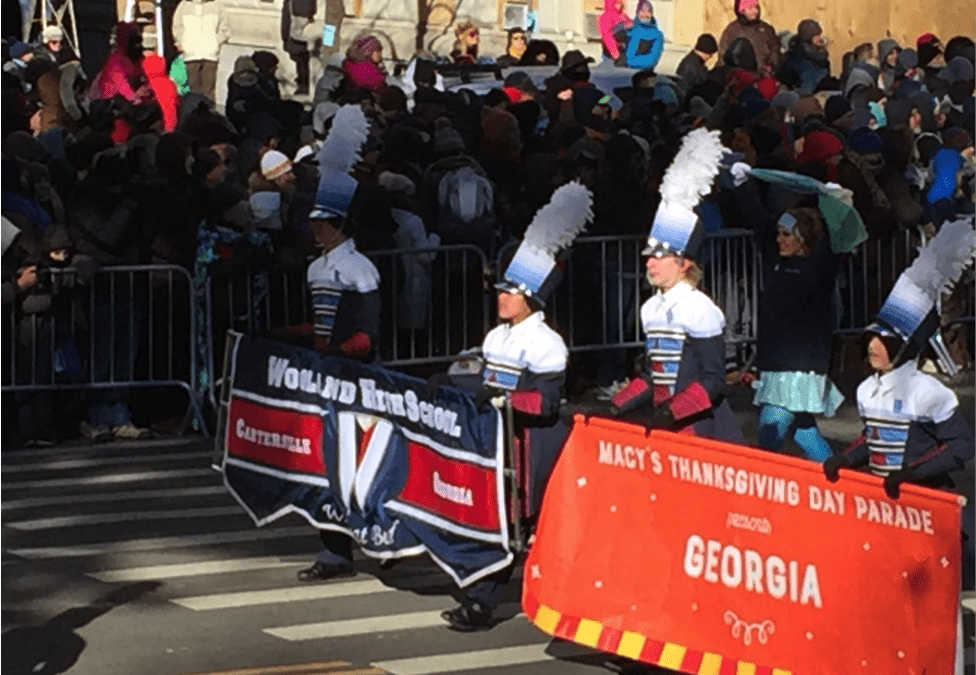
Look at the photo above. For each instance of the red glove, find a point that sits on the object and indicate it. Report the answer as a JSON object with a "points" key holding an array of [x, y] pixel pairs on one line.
{"points": [[693, 400], [358, 344], [528, 401], [636, 392]]}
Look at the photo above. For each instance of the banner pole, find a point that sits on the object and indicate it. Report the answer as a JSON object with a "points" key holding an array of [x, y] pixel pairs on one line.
{"points": [[509, 420]]}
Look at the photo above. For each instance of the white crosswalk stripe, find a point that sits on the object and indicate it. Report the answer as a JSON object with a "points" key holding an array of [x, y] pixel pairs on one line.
{"points": [[91, 481], [488, 658], [157, 572], [96, 497], [124, 517], [158, 543], [70, 464]]}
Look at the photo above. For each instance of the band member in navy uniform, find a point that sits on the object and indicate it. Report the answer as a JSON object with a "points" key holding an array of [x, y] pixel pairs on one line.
{"points": [[525, 367], [344, 285], [680, 384], [913, 428]]}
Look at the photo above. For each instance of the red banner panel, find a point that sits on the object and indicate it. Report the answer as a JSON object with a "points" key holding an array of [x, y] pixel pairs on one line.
{"points": [[712, 558], [462, 492], [278, 437]]}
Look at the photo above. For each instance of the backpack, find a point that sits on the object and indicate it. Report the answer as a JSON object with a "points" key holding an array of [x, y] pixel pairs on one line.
{"points": [[466, 208]]}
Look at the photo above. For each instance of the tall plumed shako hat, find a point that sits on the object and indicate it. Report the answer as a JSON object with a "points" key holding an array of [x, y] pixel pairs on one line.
{"points": [[336, 158], [532, 270], [906, 313], [677, 229]]}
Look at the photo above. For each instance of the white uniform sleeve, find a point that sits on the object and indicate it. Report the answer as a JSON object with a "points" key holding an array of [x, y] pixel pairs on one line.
{"points": [[932, 399], [548, 353], [699, 317]]}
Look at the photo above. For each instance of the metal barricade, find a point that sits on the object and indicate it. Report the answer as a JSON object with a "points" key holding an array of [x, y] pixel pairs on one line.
{"points": [[597, 306], [128, 327], [437, 301], [434, 304]]}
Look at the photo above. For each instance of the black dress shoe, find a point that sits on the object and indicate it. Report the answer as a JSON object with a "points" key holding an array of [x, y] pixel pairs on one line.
{"points": [[468, 618], [320, 571]]}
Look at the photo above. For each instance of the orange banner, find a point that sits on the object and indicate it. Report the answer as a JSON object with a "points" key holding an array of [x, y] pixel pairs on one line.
{"points": [[719, 559]]}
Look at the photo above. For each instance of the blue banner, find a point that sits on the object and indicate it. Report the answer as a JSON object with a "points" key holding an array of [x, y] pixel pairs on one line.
{"points": [[362, 450]]}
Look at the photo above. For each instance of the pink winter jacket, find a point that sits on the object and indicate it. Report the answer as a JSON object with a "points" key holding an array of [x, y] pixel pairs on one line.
{"points": [[610, 22]]}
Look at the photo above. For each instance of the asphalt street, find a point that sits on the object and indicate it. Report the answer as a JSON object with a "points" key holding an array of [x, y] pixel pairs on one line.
{"points": [[132, 558]]}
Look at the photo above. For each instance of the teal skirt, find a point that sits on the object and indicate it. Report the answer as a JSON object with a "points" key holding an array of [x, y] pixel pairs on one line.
{"points": [[798, 392]]}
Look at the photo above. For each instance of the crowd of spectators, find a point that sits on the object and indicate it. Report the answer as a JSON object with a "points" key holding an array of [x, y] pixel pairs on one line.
{"points": [[132, 165]]}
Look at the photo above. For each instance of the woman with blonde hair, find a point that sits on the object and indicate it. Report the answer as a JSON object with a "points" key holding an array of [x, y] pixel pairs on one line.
{"points": [[466, 36], [680, 386]]}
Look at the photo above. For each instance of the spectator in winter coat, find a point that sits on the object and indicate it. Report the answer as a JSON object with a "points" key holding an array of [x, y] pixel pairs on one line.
{"points": [[363, 66], [123, 75], [693, 69], [614, 24], [760, 34], [164, 88], [645, 41], [517, 43], [888, 51], [466, 40], [807, 62], [199, 29]]}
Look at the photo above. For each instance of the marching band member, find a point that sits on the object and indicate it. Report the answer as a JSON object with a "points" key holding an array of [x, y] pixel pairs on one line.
{"points": [[344, 285], [525, 365], [913, 428], [682, 382]]}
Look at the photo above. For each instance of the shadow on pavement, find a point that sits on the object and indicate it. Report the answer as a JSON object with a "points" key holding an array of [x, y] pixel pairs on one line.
{"points": [[55, 646]]}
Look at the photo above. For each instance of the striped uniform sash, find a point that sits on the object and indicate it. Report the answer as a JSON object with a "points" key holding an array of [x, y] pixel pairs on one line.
{"points": [[501, 375], [886, 439], [325, 304], [663, 350]]}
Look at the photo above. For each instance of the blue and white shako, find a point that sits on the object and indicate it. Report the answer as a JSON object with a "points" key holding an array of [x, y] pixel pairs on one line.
{"points": [[677, 230]]}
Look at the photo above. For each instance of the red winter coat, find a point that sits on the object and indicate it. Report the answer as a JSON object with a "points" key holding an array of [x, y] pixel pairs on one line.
{"points": [[164, 88]]}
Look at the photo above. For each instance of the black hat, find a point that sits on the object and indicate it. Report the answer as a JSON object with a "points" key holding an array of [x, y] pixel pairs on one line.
{"points": [[521, 80], [573, 59], [706, 43]]}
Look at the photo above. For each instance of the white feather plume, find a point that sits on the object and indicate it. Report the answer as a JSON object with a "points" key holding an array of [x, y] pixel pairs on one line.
{"points": [[690, 176], [940, 264], [349, 131], [557, 224]]}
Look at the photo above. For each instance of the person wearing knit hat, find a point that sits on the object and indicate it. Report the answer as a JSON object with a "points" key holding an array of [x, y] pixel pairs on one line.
{"points": [[768, 86], [907, 62], [363, 65], [766, 46], [865, 142], [785, 100], [807, 61], [645, 42], [926, 38], [835, 107], [931, 58], [51, 38], [959, 69], [276, 167], [805, 107], [693, 68], [822, 148]]}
